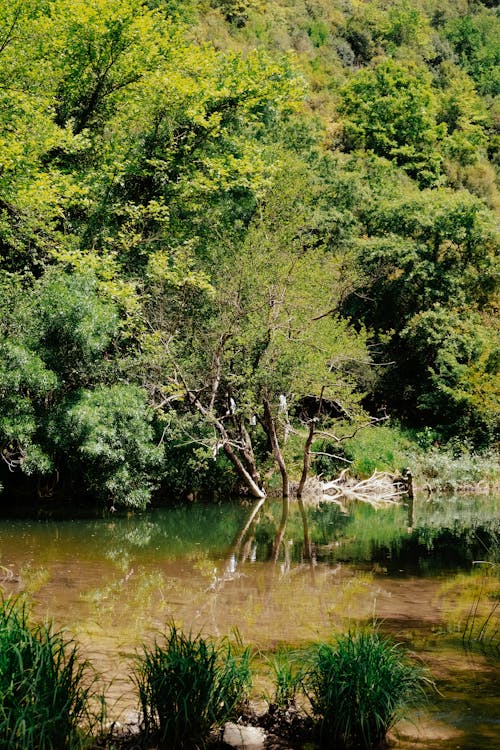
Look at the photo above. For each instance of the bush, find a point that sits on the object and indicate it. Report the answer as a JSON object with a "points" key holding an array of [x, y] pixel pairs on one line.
{"points": [[188, 686], [107, 437], [382, 447], [359, 688], [454, 468], [45, 690]]}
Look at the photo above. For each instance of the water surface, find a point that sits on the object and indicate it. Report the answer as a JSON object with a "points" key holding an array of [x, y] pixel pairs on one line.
{"points": [[115, 582]]}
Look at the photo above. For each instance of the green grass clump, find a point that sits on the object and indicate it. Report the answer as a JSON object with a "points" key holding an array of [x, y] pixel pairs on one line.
{"points": [[288, 677], [187, 686], [45, 689], [359, 687]]}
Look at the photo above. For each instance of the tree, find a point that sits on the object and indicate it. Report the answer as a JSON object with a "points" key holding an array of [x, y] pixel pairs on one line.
{"points": [[31, 195], [106, 438], [455, 362], [429, 260], [25, 386], [60, 417], [266, 334], [392, 111]]}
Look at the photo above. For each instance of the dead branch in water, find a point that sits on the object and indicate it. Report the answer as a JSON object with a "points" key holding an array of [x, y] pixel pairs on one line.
{"points": [[382, 488]]}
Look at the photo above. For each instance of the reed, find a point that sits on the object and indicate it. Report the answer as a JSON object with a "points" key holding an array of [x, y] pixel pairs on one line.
{"points": [[288, 676], [359, 687], [45, 689], [187, 686]]}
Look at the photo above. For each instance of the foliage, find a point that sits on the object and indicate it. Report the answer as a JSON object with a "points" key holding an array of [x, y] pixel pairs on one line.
{"points": [[475, 41], [426, 265], [458, 373], [238, 202], [391, 110], [359, 687], [192, 461], [25, 383], [107, 436], [74, 325], [384, 447], [46, 689], [103, 432], [454, 468], [187, 686]]}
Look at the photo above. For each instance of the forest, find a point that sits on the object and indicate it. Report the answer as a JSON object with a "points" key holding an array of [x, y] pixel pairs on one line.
{"points": [[234, 233]]}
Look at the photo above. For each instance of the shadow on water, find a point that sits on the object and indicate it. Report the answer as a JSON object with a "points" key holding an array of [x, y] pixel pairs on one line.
{"points": [[283, 576]]}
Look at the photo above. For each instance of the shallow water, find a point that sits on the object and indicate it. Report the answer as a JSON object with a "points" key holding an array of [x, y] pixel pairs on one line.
{"points": [[115, 582]]}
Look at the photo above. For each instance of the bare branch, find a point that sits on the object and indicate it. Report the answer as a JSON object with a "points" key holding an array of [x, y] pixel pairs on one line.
{"points": [[13, 458], [331, 455], [373, 420]]}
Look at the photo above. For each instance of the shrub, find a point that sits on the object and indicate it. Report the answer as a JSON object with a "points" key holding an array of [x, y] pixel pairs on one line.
{"points": [[454, 468], [45, 690], [359, 688], [187, 686], [107, 436]]}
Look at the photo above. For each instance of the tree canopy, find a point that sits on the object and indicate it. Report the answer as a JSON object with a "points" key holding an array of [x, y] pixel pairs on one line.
{"points": [[221, 222]]}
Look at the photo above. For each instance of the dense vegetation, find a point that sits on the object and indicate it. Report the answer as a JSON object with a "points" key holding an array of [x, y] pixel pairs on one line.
{"points": [[222, 221]]}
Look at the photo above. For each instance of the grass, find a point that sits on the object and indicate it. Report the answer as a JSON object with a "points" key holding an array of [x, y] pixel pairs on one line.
{"points": [[45, 689], [359, 687], [447, 470], [288, 675], [451, 467], [187, 686]]}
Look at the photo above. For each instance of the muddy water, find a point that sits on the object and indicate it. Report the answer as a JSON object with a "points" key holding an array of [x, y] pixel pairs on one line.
{"points": [[115, 583]]}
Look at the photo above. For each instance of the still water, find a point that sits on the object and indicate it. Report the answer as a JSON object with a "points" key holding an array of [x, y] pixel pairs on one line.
{"points": [[429, 578]]}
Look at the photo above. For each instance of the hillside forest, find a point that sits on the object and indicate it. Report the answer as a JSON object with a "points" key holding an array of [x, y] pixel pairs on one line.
{"points": [[235, 232]]}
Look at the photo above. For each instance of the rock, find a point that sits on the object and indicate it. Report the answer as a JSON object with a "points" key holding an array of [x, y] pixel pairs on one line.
{"points": [[244, 738]]}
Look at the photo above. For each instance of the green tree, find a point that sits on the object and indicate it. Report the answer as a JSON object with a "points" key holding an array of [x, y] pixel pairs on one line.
{"points": [[31, 195], [106, 437], [25, 387], [430, 250], [455, 362], [62, 414], [475, 39], [392, 111], [72, 326], [266, 334]]}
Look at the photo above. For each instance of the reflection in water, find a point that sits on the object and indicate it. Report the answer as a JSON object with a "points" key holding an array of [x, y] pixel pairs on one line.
{"points": [[279, 576]]}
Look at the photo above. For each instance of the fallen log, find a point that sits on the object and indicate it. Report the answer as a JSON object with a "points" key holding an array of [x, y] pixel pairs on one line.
{"points": [[381, 488]]}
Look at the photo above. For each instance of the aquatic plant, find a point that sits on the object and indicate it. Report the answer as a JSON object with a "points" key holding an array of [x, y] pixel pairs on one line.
{"points": [[359, 687], [187, 686], [288, 676], [482, 624], [46, 690]]}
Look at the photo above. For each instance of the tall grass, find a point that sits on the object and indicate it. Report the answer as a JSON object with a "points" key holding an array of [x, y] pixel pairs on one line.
{"points": [[288, 675], [45, 689], [359, 687], [187, 686]]}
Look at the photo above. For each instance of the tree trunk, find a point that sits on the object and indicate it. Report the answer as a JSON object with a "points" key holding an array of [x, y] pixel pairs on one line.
{"points": [[243, 473], [278, 456], [252, 485], [306, 459]]}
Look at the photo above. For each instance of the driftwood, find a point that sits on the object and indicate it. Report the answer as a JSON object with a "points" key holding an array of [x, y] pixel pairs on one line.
{"points": [[382, 488]]}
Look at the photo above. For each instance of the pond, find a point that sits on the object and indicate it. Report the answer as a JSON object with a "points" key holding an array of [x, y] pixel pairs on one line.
{"points": [[429, 578]]}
